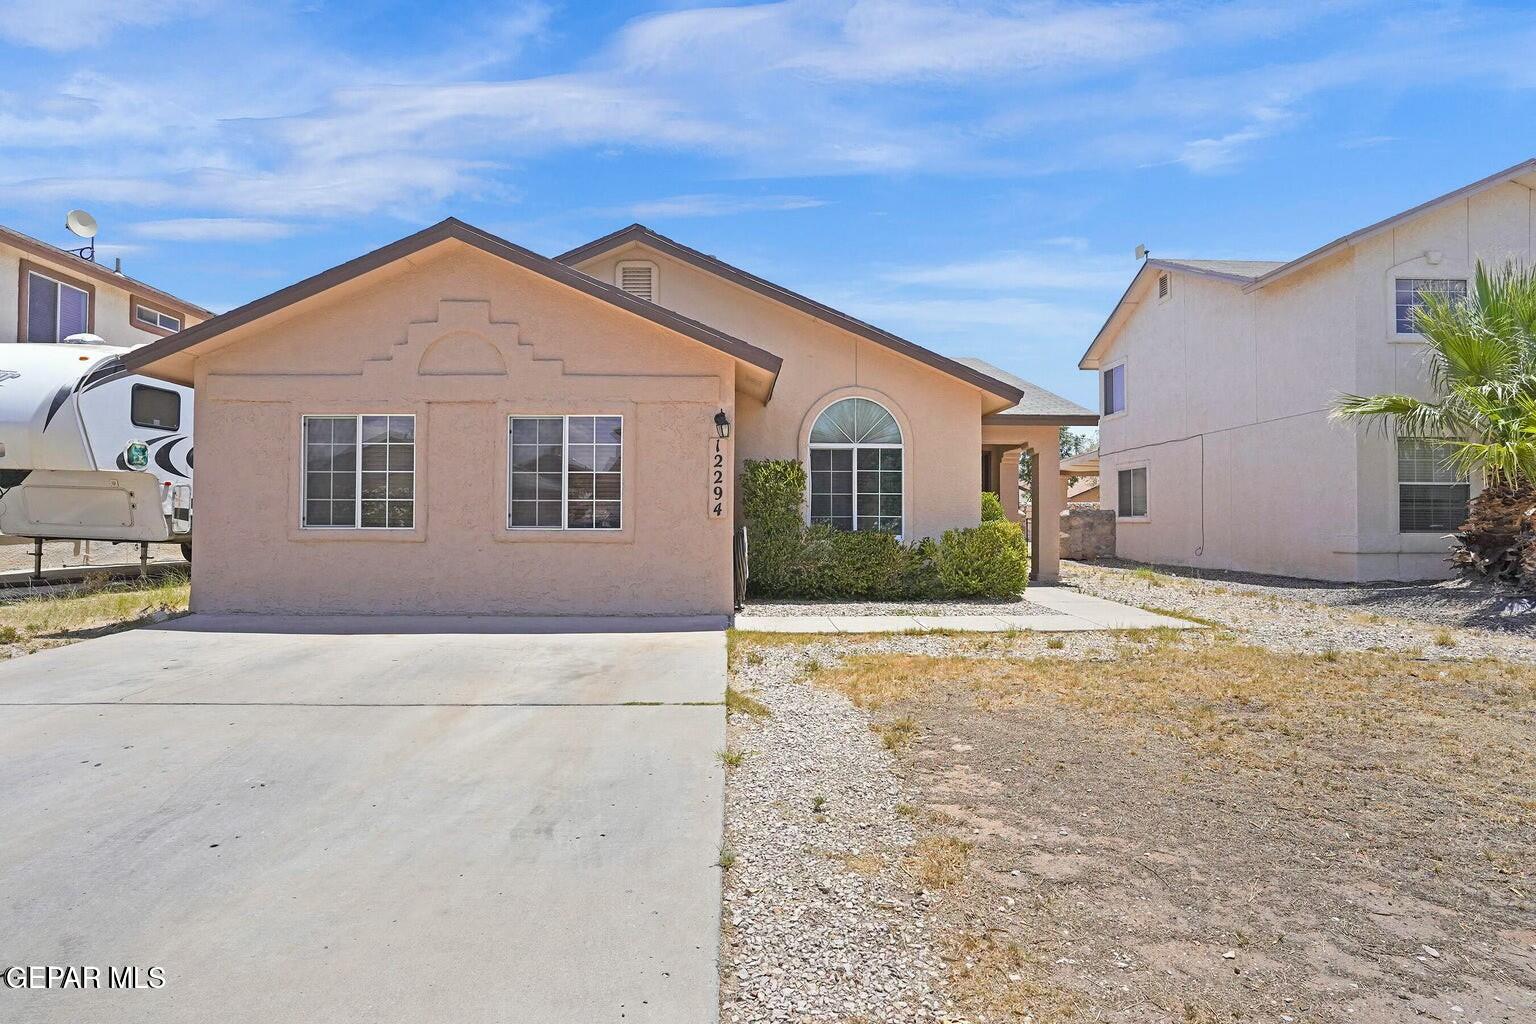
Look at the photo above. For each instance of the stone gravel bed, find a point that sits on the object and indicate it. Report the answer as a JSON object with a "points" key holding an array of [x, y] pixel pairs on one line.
{"points": [[1305, 616], [821, 922], [1012, 606]]}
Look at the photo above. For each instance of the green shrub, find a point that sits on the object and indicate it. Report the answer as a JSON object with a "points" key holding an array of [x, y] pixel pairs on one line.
{"points": [[790, 559], [991, 507], [990, 560]]}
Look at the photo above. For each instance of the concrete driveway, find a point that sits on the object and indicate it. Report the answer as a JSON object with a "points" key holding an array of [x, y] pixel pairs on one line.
{"points": [[419, 826]]}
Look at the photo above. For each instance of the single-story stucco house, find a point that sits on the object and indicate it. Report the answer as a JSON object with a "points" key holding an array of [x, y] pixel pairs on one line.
{"points": [[455, 424]]}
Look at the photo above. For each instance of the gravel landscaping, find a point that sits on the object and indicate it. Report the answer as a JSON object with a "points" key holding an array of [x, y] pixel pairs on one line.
{"points": [[1010, 606], [1432, 620]]}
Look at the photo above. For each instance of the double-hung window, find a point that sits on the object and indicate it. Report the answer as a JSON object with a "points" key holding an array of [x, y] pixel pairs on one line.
{"points": [[1132, 496], [1432, 496], [360, 472], [1114, 389], [1410, 292], [565, 472], [55, 308]]}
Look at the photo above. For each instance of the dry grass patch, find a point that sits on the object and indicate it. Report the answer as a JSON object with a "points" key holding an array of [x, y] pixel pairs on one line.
{"points": [[896, 733], [738, 703], [939, 862], [1463, 726], [94, 608], [993, 976]]}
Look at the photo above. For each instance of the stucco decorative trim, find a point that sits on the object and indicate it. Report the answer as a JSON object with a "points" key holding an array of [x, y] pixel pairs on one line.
{"points": [[909, 458]]}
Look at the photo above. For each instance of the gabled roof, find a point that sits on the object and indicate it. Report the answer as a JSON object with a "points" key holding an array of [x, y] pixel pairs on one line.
{"points": [[97, 272], [1003, 388], [1035, 405], [452, 228], [1255, 274]]}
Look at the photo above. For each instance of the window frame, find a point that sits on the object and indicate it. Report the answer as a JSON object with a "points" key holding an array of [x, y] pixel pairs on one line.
{"points": [[1397, 320], [1121, 494], [61, 280], [1104, 389], [138, 302], [357, 497], [854, 447], [565, 527], [1397, 457], [133, 398]]}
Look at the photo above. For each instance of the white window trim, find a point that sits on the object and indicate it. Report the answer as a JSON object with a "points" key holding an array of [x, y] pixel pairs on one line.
{"points": [[565, 475], [58, 300], [357, 498], [618, 277], [1398, 482], [1432, 273], [1145, 467], [1119, 364], [811, 446]]}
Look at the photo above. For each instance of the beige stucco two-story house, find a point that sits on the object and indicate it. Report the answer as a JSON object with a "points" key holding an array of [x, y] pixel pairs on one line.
{"points": [[48, 294], [1216, 447], [456, 424]]}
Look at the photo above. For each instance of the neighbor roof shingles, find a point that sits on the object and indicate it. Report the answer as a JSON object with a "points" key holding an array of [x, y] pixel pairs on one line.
{"points": [[1037, 404]]}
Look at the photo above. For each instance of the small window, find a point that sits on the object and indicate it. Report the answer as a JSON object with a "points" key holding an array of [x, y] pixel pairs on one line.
{"points": [[565, 472], [1431, 496], [156, 408], [1133, 493], [638, 278], [55, 310], [1114, 390], [359, 472], [1411, 292], [153, 318], [1164, 285]]}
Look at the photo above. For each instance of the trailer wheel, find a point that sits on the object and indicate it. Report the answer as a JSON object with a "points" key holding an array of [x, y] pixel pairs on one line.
{"points": [[186, 552]]}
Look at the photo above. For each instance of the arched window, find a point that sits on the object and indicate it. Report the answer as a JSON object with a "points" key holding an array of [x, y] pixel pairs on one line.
{"points": [[856, 467]]}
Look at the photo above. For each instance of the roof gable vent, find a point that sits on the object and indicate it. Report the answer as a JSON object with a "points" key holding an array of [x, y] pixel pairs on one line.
{"points": [[638, 277]]}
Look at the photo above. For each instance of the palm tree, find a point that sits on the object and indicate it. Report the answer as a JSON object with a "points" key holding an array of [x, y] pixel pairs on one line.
{"points": [[1481, 369]]}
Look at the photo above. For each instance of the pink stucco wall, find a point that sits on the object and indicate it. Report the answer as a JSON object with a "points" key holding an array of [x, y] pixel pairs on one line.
{"points": [[940, 416], [461, 340]]}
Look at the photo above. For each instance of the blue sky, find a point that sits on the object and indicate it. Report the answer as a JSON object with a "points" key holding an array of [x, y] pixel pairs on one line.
{"points": [[972, 176]]}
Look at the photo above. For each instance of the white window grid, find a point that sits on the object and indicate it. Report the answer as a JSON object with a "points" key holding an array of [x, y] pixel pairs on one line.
{"points": [[357, 471], [565, 472], [1407, 292], [853, 477]]}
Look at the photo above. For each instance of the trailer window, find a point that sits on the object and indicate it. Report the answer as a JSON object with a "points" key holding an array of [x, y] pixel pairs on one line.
{"points": [[156, 408]]}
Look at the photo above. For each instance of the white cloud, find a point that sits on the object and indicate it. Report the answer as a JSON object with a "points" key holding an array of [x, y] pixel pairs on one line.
{"points": [[66, 25], [717, 205], [213, 229], [1068, 268]]}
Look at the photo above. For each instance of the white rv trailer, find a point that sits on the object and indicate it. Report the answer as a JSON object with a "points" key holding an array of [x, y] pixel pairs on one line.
{"points": [[89, 451]]}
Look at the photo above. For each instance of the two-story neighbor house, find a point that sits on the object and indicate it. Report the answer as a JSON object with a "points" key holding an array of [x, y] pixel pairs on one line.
{"points": [[48, 294], [1217, 377]]}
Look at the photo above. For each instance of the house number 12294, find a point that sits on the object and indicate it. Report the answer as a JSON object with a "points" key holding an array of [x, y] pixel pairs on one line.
{"points": [[717, 480]]}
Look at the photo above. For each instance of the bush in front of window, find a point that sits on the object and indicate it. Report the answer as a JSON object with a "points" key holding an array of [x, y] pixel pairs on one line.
{"points": [[990, 560], [991, 507], [787, 558]]}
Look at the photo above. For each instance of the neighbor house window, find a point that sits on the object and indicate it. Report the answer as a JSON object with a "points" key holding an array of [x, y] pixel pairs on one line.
{"points": [[360, 472], [154, 320], [1431, 496], [1133, 492], [1411, 292], [856, 467], [55, 309], [566, 473], [1114, 389], [156, 408]]}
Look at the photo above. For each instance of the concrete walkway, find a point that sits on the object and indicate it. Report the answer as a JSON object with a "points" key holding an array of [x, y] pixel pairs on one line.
{"points": [[1071, 611]]}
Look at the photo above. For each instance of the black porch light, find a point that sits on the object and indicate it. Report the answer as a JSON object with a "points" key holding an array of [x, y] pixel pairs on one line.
{"points": [[722, 424]]}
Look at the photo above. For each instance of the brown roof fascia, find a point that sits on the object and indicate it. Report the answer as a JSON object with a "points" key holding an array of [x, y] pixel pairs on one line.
{"points": [[451, 228], [73, 264], [802, 303]]}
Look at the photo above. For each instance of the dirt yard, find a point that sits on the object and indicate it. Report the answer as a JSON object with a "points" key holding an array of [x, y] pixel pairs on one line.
{"points": [[1183, 827], [66, 614]]}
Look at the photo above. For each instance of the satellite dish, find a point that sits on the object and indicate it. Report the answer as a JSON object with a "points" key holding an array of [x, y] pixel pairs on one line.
{"points": [[80, 223], [1141, 251]]}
